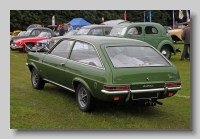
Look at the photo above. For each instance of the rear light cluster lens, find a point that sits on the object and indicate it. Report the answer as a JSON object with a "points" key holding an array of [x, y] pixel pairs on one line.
{"points": [[172, 84], [116, 88]]}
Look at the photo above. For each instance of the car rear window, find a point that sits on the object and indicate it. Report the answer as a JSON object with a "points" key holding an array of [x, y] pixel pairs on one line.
{"points": [[135, 56]]}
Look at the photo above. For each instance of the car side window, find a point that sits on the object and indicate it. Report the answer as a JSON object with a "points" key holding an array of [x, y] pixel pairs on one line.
{"points": [[107, 31], [135, 31], [62, 49], [97, 31], [85, 53], [151, 30]]}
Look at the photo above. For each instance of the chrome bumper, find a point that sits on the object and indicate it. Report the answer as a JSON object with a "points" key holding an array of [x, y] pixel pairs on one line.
{"points": [[141, 91]]}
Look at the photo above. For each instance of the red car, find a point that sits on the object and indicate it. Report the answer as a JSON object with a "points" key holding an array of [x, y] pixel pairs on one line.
{"points": [[26, 44]]}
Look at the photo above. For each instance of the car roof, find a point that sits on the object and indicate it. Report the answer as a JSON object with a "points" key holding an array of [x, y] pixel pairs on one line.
{"points": [[99, 40], [96, 26], [115, 22], [140, 23]]}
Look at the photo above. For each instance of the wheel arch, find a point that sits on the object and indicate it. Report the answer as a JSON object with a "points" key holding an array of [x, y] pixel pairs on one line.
{"points": [[76, 81], [31, 66], [169, 44]]}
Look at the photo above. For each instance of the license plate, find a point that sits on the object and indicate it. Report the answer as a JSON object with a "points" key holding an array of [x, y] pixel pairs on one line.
{"points": [[144, 96]]}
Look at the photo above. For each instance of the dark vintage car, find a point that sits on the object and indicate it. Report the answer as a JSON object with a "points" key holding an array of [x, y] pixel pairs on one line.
{"points": [[99, 68], [152, 33], [26, 44], [32, 32]]}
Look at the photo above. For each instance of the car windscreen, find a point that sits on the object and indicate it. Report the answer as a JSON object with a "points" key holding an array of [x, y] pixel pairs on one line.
{"points": [[83, 31], [118, 31], [44, 35], [27, 33], [135, 56]]}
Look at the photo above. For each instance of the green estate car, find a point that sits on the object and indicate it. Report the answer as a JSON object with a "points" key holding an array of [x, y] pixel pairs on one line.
{"points": [[111, 69], [150, 32]]}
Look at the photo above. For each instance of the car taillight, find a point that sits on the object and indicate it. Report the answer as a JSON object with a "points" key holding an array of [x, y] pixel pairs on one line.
{"points": [[117, 88], [173, 84]]}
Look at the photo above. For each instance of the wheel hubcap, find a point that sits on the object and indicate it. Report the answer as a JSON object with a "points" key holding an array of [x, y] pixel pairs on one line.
{"points": [[35, 78], [82, 97], [164, 52]]}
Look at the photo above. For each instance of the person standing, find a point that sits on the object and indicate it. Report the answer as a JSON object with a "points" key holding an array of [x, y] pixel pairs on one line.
{"points": [[61, 30], [176, 25], [79, 27], [69, 27], [186, 38]]}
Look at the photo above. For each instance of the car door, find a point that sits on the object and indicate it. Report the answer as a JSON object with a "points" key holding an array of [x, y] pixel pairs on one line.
{"points": [[152, 35], [135, 32], [54, 62]]}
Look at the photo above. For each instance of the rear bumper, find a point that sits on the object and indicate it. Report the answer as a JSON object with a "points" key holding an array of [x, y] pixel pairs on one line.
{"points": [[165, 90]]}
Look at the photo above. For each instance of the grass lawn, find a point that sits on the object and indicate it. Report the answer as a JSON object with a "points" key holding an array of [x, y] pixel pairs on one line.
{"points": [[56, 108]]}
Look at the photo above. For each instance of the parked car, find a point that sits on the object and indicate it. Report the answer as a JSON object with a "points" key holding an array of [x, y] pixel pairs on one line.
{"points": [[99, 68], [97, 30], [176, 33], [33, 32], [26, 44], [15, 33], [152, 33]]}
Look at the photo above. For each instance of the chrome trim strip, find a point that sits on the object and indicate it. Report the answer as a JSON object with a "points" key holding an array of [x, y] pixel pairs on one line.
{"points": [[174, 88], [102, 68], [113, 92], [59, 85], [140, 90], [147, 90]]}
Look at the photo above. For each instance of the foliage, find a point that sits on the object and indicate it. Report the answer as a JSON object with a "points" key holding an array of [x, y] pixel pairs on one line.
{"points": [[21, 19]]}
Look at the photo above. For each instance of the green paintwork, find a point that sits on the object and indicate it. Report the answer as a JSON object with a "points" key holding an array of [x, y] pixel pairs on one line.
{"points": [[71, 73]]}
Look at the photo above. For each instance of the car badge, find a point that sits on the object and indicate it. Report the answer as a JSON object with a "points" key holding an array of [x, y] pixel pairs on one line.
{"points": [[147, 79], [170, 77]]}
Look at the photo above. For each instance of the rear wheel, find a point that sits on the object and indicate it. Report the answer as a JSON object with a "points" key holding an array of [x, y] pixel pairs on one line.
{"points": [[36, 80], [28, 47], [85, 100], [166, 51]]}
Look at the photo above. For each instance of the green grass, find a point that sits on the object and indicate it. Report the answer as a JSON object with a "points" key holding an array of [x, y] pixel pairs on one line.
{"points": [[56, 108]]}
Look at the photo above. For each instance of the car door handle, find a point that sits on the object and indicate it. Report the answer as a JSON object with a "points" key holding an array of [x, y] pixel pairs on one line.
{"points": [[62, 64]]}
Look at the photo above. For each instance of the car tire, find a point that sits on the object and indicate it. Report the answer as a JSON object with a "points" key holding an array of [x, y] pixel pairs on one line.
{"points": [[166, 51], [36, 80], [26, 49], [86, 102]]}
